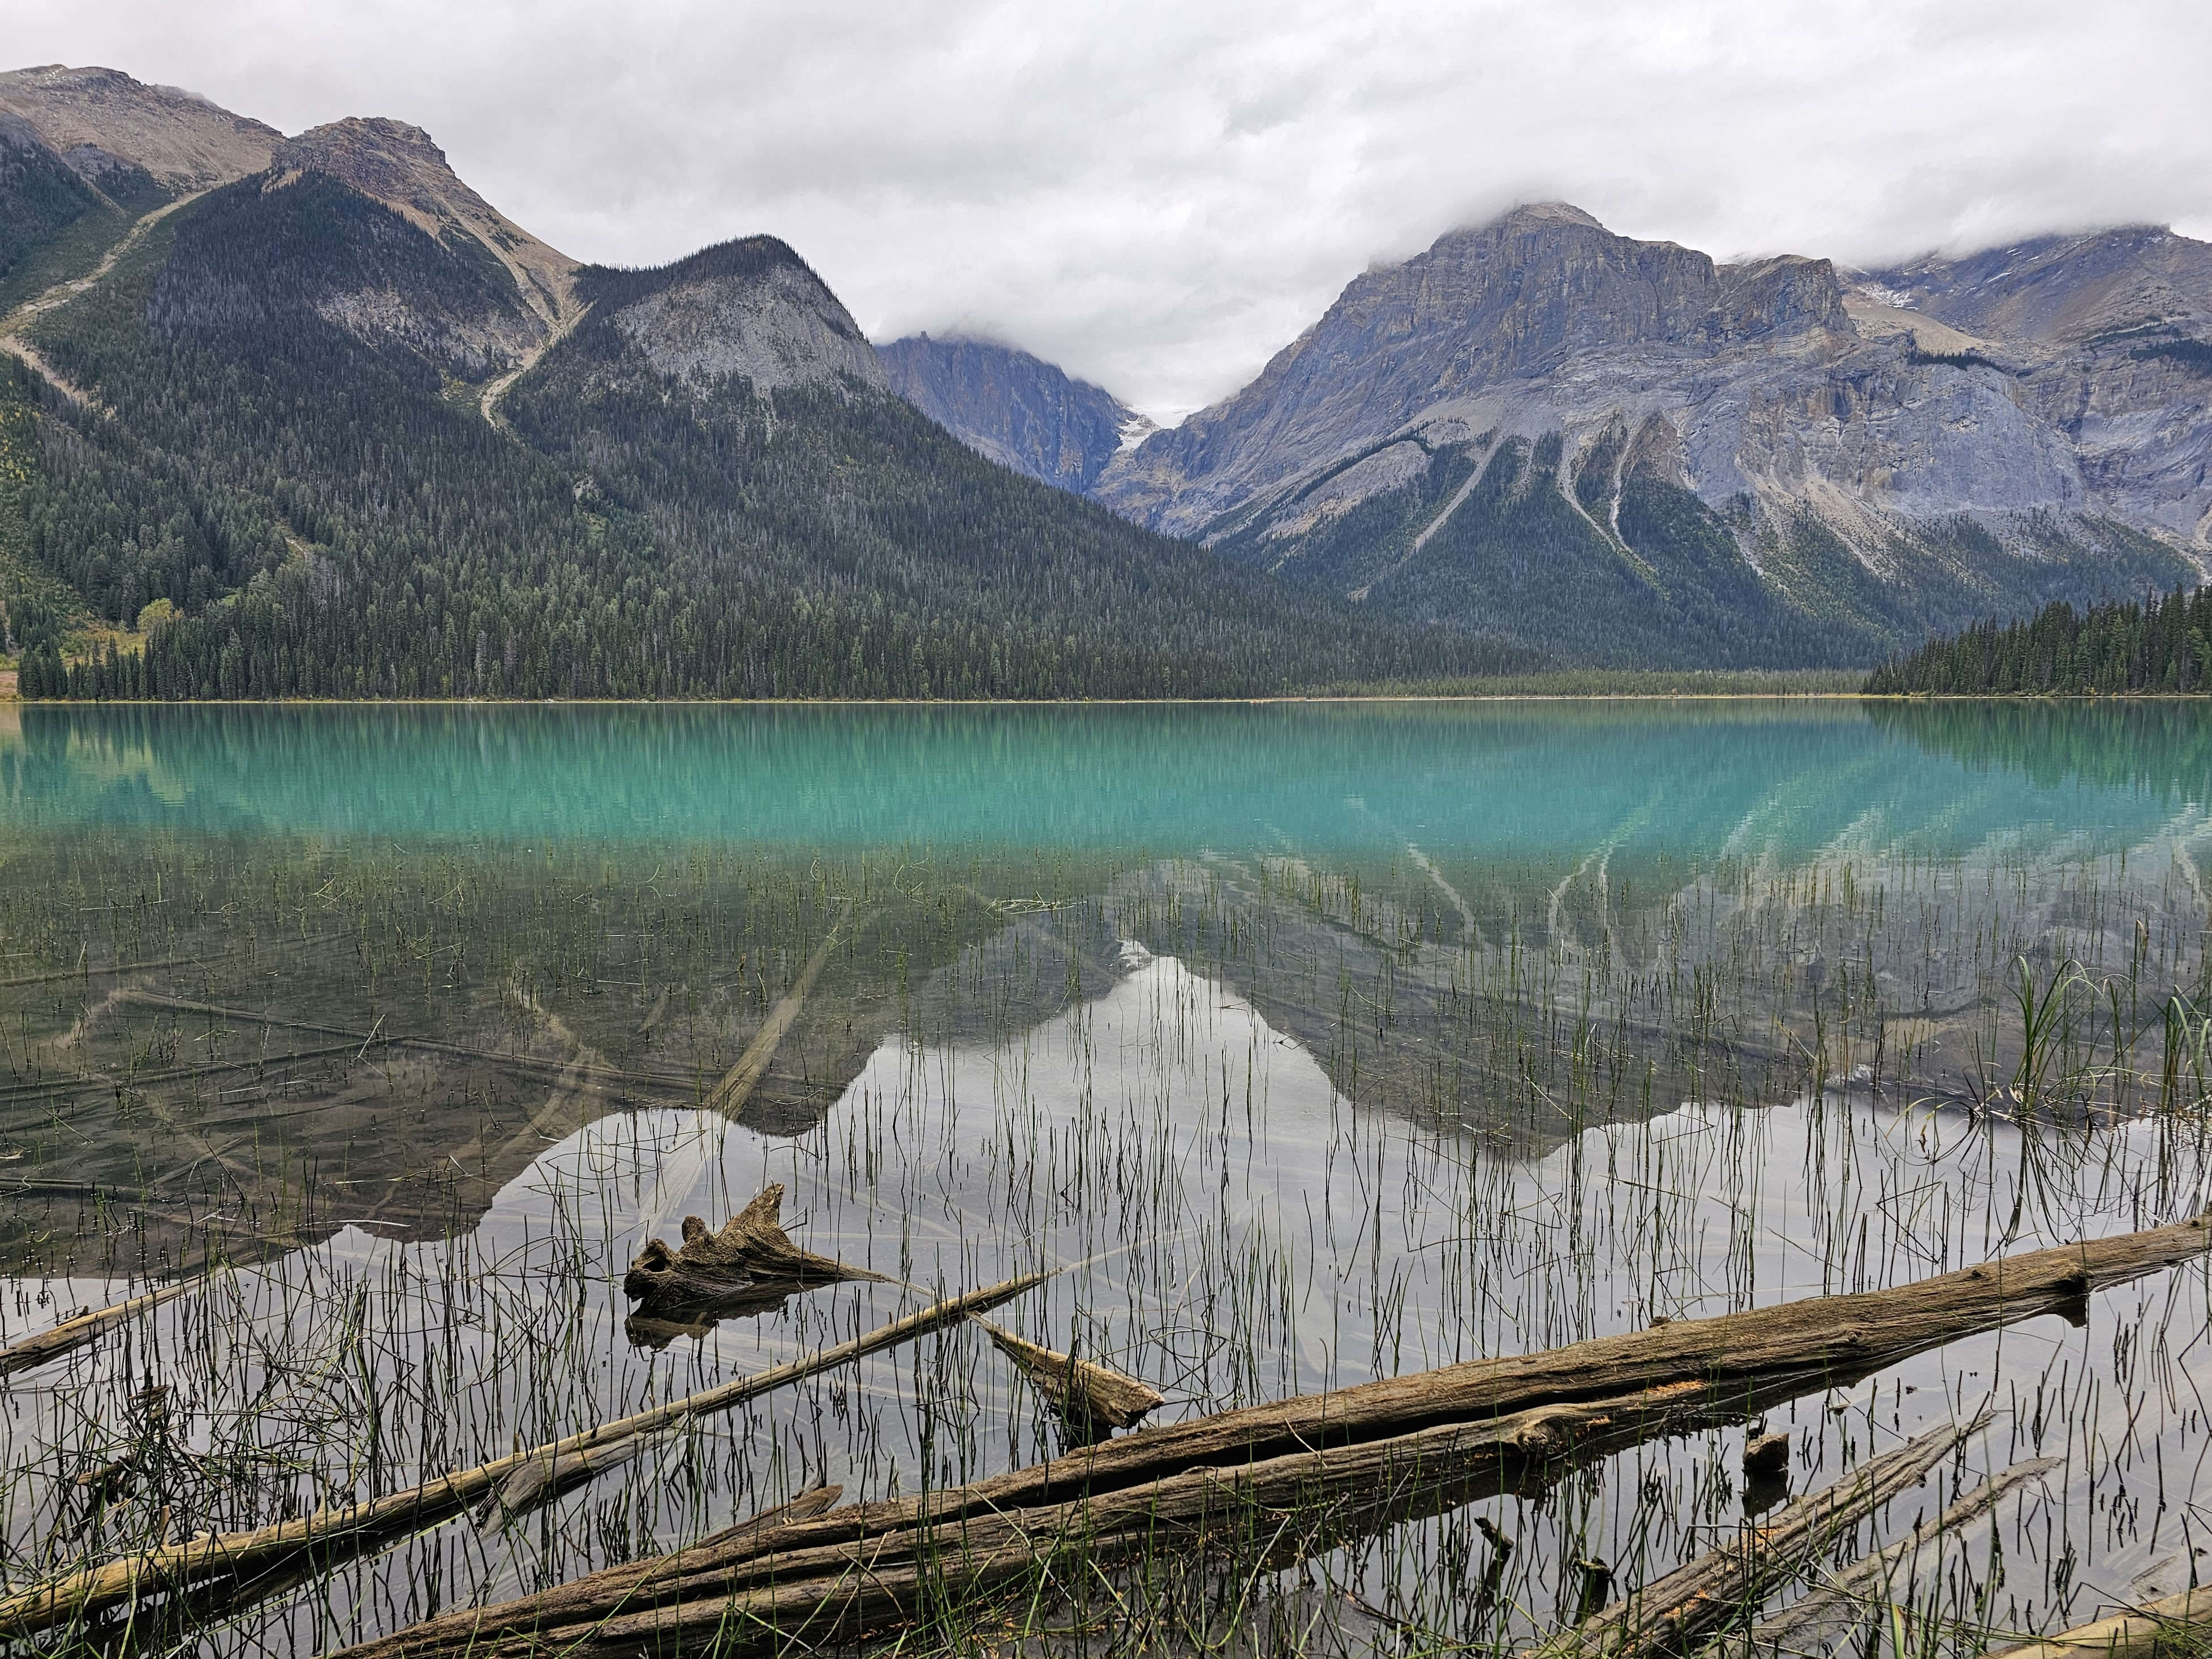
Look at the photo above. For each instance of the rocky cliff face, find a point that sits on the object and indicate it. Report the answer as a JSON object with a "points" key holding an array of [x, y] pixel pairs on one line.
{"points": [[1021, 412], [750, 309], [2063, 290], [1847, 460], [2106, 342], [1542, 294]]}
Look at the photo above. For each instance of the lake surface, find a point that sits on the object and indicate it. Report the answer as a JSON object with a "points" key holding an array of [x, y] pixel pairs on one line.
{"points": [[1313, 1042]]}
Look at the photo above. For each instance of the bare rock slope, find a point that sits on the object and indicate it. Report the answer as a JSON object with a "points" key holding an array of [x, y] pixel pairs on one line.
{"points": [[96, 117], [749, 310], [1017, 409], [397, 165], [1801, 462]]}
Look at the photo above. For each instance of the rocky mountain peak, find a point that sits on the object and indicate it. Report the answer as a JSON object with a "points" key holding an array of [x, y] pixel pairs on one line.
{"points": [[1781, 295], [1017, 409], [179, 137], [1546, 213], [374, 153], [751, 308], [1485, 304], [401, 165], [2064, 289]]}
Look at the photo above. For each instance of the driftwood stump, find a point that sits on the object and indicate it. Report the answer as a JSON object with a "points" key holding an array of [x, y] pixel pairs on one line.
{"points": [[1092, 1400], [751, 1265]]}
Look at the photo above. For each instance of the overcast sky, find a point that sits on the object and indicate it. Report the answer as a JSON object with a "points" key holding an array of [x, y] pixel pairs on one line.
{"points": [[1159, 194]]}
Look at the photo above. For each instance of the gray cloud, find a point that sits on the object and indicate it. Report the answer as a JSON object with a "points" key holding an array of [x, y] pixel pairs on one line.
{"points": [[1159, 194]]}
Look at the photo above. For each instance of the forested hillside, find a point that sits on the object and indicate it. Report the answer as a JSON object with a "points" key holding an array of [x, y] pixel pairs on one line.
{"points": [[284, 448], [307, 416], [2155, 645]]}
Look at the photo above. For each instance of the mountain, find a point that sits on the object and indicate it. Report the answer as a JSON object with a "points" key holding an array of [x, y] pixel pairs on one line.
{"points": [[107, 124], [326, 420], [1020, 411], [338, 427], [1620, 451], [84, 152]]}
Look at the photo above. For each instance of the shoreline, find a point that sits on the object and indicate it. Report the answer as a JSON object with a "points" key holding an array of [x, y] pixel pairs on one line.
{"points": [[19, 704]]}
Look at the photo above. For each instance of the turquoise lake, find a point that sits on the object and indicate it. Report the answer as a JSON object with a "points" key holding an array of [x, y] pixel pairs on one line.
{"points": [[1537, 779], [1305, 1044]]}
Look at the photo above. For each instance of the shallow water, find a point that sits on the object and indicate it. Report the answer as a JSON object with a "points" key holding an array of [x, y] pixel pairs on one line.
{"points": [[1313, 1043]]}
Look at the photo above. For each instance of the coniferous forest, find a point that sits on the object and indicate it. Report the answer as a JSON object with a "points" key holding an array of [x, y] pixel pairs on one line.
{"points": [[317, 510], [2157, 645]]}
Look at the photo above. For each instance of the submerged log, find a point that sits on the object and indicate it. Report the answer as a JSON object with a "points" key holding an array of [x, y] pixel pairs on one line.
{"points": [[549, 1472], [1831, 1616], [1766, 1456], [1290, 1477], [85, 1328], [1726, 1585], [729, 1096], [231, 1556], [751, 1262], [2176, 1624], [1092, 1398]]}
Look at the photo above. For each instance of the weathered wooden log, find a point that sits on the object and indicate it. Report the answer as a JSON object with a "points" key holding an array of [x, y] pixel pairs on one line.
{"points": [[751, 1259], [85, 1328], [1728, 1585], [1837, 1338], [836, 1576], [1356, 1457], [2173, 1625], [551, 1472], [1092, 1398], [233, 1555], [189, 1613], [1831, 1616]]}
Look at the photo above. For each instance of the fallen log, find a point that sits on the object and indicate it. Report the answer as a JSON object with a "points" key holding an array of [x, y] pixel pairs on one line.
{"points": [[1355, 1457], [2174, 1625], [1831, 1616], [856, 1568], [751, 1262], [232, 1555], [85, 1328], [1838, 1340], [1092, 1398], [1728, 1585], [545, 1477]]}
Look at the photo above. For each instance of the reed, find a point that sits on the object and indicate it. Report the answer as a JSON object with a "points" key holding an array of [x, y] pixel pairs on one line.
{"points": [[402, 1119]]}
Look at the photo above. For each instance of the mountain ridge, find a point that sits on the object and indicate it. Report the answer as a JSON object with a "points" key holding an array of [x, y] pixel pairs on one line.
{"points": [[1536, 439], [1870, 485], [283, 466]]}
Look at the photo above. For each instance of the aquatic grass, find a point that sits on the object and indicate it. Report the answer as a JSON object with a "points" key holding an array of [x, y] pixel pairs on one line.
{"points": [[1341, 1120]]}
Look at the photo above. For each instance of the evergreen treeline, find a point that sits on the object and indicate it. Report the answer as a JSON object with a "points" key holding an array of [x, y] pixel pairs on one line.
{"points": [[332, 516], [2154, 645]]}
